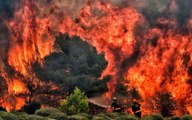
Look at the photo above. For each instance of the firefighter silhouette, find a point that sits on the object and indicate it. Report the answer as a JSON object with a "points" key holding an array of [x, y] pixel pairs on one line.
{"points": [[115, 106], [136, 109]]}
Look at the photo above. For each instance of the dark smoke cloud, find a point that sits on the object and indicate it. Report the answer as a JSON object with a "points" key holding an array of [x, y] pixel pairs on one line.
{"points": [[150, 9], [7, 9], [154, 9], [185, 11], [64, 7], [180, 10]]}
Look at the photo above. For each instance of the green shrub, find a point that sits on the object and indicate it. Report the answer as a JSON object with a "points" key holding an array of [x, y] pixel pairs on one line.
{"points": [[186, 117], [8, 116], [86, 115], [112, 115], [23, 116], [58, 116], [126, 117], [1, 118], [98, 118], [157, 117], [47, 111], [77, 117], [101, 116], [174, 118], [36, 117], [153, 117], [76, 103], [147, 118], [17, 113], [51, 113]]}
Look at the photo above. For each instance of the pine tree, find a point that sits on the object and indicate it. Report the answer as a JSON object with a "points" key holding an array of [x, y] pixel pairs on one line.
{"points": [[165, 104]]}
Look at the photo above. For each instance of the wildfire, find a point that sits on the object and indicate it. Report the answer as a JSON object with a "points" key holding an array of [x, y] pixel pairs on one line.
{"points": [[152, 58], [15, 104], [16, 87]]}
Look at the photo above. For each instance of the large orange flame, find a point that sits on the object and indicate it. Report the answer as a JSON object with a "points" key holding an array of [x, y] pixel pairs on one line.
{"points": [[152, 59]]}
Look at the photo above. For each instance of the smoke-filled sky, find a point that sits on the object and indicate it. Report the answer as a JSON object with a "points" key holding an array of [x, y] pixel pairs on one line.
{"points": [[136, 36], [150, 9], [6, 12]]}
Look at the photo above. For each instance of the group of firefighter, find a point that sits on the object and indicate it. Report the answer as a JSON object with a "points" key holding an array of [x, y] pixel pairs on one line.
{"points": [[135, 107]]}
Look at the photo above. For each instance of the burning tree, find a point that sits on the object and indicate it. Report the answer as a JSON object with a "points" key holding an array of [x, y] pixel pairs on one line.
{"points": [[27, 89], [3, 89], [165, 104], [147, 42], [74, 64], [43, 85], [41, 89]]}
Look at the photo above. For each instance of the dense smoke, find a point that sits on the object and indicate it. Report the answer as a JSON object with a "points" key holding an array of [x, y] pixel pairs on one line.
{"points": [[6, 12], [152, 10], [147, 42]]}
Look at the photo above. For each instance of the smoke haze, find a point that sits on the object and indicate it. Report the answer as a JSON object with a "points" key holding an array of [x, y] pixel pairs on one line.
{"points": [[147, 42]]}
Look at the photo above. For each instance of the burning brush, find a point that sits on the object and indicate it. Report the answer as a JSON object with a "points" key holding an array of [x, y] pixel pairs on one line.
{"points": [[146, 42]]}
